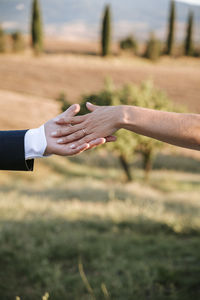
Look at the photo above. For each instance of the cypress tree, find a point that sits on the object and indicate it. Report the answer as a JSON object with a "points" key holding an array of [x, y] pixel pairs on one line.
{"points": [[171, 30], [2, 41], [106, 32], [36, 28], [189, 33]]}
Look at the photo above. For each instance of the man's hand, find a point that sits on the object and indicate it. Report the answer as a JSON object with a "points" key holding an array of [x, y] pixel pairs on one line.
{"points": [[53, 147]]}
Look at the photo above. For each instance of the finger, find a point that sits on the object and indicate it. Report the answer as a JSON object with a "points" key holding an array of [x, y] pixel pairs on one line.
{"points": [[70, 120], [72, 137], [63, 132], [68, 151], [111, 138], [70, 112], [87, 139], [91, 107], [96, 143]]}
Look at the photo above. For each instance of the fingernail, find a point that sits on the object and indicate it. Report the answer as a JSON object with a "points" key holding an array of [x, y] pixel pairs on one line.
{"points": [[60, 141], [54, 133], [57, 119], [73, 146], [89, 103]]}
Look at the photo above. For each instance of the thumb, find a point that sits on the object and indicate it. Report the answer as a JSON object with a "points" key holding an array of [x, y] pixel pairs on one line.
{"points": [[91, 107], [71, 111]]}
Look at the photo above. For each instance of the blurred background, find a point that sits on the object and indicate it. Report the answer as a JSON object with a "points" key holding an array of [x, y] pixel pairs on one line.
{"points": [[118, 222]]}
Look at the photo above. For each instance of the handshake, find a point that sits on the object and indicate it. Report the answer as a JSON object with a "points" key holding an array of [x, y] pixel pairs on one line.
{"points": [[69, 134]]}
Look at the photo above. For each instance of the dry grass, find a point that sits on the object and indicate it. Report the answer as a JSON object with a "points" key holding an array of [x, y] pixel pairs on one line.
{"points": [[19, 111], [49, 75], [136, 240]]}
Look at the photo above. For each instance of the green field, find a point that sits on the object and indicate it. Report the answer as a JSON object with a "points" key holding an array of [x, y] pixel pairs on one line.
{"points": [[75, 229]]}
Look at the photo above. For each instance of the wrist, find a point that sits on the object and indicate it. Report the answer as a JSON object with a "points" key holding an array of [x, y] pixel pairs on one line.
{"points": [[127, 117], [119, 116], [35, 143], [48, 150]]}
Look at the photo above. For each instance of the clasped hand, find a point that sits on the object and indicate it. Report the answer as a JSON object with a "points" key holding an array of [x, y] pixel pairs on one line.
{"points": [[69, 134]]}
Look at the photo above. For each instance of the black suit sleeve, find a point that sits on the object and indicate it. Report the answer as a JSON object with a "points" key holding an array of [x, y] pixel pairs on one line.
{"points": [[12, 153]]}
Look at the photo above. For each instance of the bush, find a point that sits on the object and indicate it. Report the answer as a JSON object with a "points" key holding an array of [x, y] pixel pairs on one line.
{"points": [[129, 43], [2, 41], [18, 42], [153, 48]]}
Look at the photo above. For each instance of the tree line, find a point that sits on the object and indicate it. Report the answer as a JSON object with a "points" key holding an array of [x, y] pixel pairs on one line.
{"points": [[36, 33], [153, 50]]}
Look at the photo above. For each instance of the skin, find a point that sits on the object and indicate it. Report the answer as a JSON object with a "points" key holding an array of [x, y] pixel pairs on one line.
{"points": [[174, 128], [66, 149]]}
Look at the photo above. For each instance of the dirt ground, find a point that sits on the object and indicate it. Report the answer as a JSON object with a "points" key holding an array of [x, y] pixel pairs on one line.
{"points": [[49, 75]]}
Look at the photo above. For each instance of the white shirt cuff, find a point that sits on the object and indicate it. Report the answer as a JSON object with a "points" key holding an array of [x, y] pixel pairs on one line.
{"points": [[35, 143]]}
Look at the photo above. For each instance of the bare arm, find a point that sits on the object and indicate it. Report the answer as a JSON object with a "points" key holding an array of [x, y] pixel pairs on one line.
{"points": [[178, 129], [174, 128]]}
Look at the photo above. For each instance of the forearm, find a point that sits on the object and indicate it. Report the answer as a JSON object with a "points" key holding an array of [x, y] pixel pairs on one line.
{"points": [[178, 129]]}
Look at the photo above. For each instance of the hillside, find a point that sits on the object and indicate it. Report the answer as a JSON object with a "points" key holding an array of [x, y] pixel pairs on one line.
{"points": [[76, 75]]}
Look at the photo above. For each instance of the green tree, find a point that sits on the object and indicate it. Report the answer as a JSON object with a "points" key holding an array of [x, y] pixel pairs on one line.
{"points": [[145, 95], [106, 32], [171, 29], [189, 35], [128, 143], [36, 28], [18, 42], [153, 48], [2, 41]]}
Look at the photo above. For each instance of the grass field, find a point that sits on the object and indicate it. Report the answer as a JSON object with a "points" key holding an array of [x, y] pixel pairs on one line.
{"points": [[133, 241], [74, 228]]}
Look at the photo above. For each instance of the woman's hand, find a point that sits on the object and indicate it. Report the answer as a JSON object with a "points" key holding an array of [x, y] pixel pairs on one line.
{"points": [[101, 123], [62, 149]]}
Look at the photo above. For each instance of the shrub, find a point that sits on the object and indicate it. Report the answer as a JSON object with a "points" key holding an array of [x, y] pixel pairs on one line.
{"points": [[18, 42], [2, 41], [129, 43], [153, 48]]}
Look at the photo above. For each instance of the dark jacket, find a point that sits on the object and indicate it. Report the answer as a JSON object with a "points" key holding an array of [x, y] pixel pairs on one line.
{"points": [[12, 153]]}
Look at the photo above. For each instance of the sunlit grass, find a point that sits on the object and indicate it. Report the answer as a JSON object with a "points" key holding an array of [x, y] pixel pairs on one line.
{"points": [[69, 226]]}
